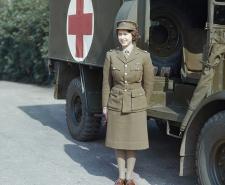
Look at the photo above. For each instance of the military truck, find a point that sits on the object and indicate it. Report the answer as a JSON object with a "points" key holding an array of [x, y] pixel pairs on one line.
{"points": [[186, 40]]}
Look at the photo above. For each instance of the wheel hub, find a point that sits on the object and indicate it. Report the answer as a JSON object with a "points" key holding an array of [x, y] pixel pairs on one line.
{"points": [[164, 37], [221, 163], [218, 160]]}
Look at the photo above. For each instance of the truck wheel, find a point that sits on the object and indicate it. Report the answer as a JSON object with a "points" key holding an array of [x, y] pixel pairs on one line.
{"points": [[165, 39], [210, 152], [82, 126]]}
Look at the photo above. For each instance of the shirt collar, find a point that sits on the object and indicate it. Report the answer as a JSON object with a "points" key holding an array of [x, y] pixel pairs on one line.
{"points": [[128, 49]]}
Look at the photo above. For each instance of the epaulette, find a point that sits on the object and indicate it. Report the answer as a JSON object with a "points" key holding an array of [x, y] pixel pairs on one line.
{"points": [[117, 48], [144, 51], [110, 51]]}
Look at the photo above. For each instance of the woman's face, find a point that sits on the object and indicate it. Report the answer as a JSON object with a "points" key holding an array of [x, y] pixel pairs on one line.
{"points": [[125, 38]]}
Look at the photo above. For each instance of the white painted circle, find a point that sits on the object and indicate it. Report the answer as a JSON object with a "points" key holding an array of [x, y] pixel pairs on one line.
{"points": [[87, 39]]}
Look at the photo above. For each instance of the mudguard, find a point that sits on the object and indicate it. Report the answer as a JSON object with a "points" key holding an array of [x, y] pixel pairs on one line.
{"points": [[210, 106]]}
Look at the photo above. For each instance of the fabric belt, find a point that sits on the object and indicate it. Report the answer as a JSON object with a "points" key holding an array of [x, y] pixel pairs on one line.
{"points": [[126, 92], [128, 86]]}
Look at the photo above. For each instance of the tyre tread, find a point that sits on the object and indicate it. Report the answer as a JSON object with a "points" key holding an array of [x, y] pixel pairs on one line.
{"points": [[91, 128], [213, 120]]}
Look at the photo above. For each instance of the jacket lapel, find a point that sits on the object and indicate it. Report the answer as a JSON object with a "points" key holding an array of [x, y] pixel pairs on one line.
{"points": [[133, 54], [131, 57], [121, 56]]}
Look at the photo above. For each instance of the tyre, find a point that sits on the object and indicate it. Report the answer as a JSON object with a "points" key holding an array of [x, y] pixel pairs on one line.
{"points": [[210, 151], [165, 39], [82, 126]]}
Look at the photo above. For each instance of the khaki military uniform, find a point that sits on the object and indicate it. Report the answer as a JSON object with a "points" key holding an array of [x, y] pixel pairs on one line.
{"points": [[126, 90]]}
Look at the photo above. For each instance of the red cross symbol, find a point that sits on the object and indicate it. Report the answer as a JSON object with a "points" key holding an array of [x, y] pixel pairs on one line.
{"points": [[80, 24]]}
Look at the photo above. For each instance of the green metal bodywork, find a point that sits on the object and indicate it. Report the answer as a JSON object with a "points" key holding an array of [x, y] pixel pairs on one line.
{"points": [[104, 15]]}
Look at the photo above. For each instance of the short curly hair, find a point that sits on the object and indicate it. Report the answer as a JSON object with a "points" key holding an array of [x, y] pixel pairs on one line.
{"points": [[135, 35]]}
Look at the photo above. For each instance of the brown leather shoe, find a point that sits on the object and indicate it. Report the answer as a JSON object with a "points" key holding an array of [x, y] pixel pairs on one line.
{"points": [[130, 182], [120, 182]]}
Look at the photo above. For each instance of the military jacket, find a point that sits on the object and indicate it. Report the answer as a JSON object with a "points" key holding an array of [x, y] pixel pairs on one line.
{"points": [[127, 82]]}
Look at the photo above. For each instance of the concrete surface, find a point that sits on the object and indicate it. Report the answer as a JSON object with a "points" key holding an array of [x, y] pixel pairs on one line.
{"points": [[36, 148]]}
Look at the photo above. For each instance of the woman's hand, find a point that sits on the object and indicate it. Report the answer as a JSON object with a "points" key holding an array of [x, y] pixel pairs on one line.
{"points": [[105, 113]]}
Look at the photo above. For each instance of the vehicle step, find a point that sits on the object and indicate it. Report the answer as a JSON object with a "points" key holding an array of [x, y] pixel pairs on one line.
{"points": [[163, 84], [170, 112]]}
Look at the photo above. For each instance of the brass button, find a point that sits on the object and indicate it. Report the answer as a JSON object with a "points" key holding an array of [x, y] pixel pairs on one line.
{"points": [[125, 74], [125, 65], [125, 82], [125, 90]]}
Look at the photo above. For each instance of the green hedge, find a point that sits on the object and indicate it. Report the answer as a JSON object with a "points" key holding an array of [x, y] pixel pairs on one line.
{"points": [[24, 41]]}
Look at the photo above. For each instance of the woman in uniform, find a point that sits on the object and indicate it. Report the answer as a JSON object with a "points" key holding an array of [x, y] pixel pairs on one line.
{"points": [[127, 86]]}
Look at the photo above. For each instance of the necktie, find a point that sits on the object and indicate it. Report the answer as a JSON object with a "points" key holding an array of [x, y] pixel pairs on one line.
{"points": [[126, 52]]}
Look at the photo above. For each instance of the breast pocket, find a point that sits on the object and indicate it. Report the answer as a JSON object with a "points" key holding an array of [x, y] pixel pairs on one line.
{"points": [[137, 66], [115, 72], [137, 71]]}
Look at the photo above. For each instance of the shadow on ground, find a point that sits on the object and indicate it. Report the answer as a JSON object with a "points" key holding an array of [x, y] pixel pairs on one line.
{"points": [[157, 165]]}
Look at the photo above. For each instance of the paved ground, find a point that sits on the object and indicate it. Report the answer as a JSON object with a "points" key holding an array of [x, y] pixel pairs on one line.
{"points": [[36, 148]]}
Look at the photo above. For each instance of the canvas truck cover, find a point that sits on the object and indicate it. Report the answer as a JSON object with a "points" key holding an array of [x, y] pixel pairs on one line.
{"points": [[81, 31]]}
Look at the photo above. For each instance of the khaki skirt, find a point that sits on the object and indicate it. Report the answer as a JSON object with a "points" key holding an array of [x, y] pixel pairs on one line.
{"points": [[127, 131]]}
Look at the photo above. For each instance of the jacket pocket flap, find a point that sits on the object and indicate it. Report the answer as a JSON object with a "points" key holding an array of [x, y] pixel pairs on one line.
{"points": [[136, 67], [115, 68], [137, 92]]}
